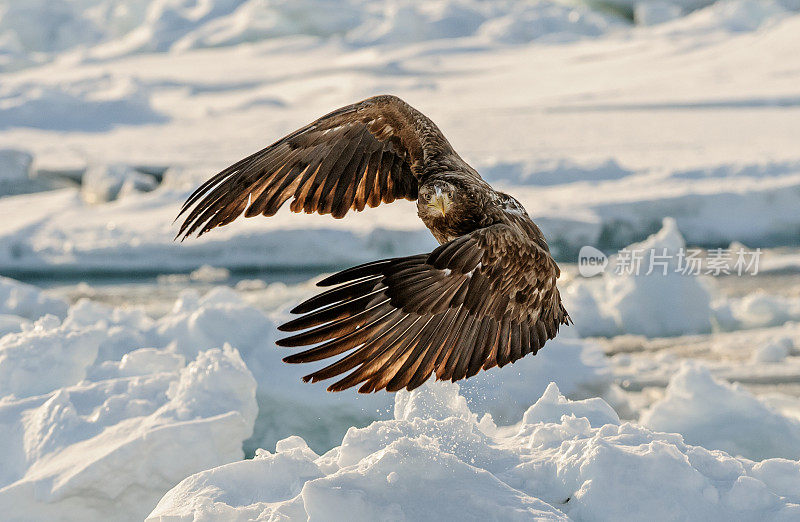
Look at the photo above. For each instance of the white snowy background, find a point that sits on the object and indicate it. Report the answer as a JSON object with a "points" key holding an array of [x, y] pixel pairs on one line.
{"points": [[139, 376]]}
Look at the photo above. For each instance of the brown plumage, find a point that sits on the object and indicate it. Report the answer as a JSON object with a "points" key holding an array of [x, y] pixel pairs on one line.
{"points": [[486, 297]]}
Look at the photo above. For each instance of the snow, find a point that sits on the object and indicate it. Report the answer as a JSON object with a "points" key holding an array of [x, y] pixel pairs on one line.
{"points": [[210, 274], [146, 369], [45, 356], [27, 301], [549, 172], [773, 352], [546, 21], [578, 367], [135, 233], [434, 460], [732, 16], [584, 186], [112, 392], [101, 184], [632, 297], [15, 170], [552, 406], [105, 376], [108, 448], [103, 28], [90, 104], [661, 298], [35, 32], [759, 309], [718, 415], [655, 12]]}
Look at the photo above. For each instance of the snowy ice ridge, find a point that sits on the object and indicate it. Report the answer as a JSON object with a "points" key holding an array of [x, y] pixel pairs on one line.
{"points": [[566, 460]]}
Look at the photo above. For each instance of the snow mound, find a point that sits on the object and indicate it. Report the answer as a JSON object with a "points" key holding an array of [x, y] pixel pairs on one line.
{"points": [[108, 449], [551, 406], [46, 356], [643, 291], [20, 304], [663, 302], [47, 25], [758, 310], [773, 352], [28, 301], [254, 20], [718, 415], [99, 412], [210, 274], [435, 461], [709, 15]]}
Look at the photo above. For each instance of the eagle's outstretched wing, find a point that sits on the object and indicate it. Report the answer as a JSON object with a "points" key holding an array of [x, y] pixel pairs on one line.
{"points": [[484, 299], [374, 151]]}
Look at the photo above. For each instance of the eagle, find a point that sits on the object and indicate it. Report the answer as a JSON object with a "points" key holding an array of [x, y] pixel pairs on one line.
{"points": [[487, 296]]}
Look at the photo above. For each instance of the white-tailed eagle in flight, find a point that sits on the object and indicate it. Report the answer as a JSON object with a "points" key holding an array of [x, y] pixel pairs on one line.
{"points": [[486, 297]]}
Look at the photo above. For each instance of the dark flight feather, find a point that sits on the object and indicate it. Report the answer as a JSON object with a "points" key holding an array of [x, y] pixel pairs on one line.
{"points": [[453, 342], [357, 156]]}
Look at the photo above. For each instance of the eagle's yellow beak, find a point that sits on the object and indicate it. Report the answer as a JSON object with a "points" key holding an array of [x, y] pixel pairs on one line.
{"points": [[442, 203]]}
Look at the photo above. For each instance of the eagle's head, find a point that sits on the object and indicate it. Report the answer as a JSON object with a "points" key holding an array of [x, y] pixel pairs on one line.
{"points": [[451, 207], [435, 200]]}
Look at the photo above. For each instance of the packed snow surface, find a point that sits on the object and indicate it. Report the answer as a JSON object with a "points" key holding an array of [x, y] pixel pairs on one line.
{"points": [[566, 460]]}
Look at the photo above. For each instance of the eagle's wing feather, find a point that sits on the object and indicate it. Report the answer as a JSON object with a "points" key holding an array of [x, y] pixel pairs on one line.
{"points": [[484, 299], [374, 151]]}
